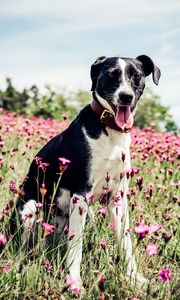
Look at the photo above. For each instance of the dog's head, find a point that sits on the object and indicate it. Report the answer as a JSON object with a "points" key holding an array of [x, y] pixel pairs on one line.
{"points": [[118, 84]]}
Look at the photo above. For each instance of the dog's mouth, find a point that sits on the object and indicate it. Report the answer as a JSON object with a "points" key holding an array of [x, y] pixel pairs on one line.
{"points": [[124, 117]]}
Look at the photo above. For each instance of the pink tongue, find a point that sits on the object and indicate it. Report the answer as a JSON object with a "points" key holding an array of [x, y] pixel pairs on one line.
{"points": [[124, 117]]}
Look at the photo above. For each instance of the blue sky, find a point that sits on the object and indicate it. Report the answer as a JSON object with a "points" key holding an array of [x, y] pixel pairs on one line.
{"points": [[56, 41]]}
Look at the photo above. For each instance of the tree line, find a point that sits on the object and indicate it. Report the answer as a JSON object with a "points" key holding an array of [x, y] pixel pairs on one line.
{"points": [[60, 104]]}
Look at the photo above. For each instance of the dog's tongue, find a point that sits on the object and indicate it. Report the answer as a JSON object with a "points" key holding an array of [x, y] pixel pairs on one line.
{"points": [[124, 117]]}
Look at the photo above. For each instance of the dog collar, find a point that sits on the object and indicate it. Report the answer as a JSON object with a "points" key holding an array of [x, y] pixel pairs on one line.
{"points": [[106, 117]]}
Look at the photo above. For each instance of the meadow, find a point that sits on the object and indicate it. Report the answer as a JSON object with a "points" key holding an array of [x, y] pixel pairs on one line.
{"points": [[153, 206]]}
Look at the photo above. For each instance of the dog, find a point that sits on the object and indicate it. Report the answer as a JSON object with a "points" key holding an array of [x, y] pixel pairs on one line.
{"points": [[95, 154]]}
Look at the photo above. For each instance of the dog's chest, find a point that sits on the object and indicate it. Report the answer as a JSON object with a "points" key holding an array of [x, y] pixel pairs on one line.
{"points": [[107, 162]]}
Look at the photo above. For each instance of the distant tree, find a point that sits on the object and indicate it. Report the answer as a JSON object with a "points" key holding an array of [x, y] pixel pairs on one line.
{"points": [[151, 111], [55, 104], [79, 99]]}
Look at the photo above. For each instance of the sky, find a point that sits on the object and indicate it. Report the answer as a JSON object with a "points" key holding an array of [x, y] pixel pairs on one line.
{"points": [[56, 41]]}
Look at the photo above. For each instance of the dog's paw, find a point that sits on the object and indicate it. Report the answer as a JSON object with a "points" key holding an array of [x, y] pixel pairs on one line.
{"points": [[137, 278], [75, 284], [141, 279]]}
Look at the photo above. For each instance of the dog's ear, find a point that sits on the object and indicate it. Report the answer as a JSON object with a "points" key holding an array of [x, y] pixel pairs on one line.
{"points": [[95, 70], [149, 67]]}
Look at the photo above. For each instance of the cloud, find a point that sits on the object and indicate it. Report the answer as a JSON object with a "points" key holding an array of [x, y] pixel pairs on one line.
{"points": [[56, 41], [70, 78], [103, 11], [171, 32]]}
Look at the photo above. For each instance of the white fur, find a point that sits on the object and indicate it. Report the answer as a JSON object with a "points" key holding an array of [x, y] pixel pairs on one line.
{"points": [[105, 104], [125, 86], [29, 208], [106, 158], [76, 228]]}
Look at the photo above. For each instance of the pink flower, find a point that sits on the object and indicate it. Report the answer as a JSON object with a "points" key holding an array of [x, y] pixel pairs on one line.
{"points": [[142, 229], [154, 228], [38, 160], [27, 216], [102, 244], [112, 225], [152, 249], [43, 166], [164, 275], [75, 291], [3, 239], [149, 190], [12, 187], [1, 142], [66, 230], [38, 206], [64, 160], [102, 211], [160, 187], [47, 265], [139, 182], [117, 201], [175, 183], [175, 198], [48, 228], [170, 171], [134, 171], [70, 280], [7, 267], [128, 174]]}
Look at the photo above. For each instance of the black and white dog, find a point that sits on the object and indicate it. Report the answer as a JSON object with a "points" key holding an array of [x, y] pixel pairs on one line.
{"points": [[97, 144]]}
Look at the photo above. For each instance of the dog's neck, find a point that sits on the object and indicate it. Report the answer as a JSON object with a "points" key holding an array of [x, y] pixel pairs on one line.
{"points": [[103, 102]]}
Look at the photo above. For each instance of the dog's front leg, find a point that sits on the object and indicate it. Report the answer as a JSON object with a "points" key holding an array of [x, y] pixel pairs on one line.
{"points": [[119, 215], [127, 243], [126, 238], [77, 218]]}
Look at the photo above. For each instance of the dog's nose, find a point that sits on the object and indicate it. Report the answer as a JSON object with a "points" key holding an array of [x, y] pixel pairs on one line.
{"points": [[125, 98]]}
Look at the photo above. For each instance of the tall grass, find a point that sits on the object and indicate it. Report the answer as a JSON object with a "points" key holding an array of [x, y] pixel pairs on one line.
{"points": [[153, 199]]}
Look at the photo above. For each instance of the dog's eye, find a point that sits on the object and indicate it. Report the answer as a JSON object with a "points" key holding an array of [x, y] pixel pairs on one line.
{"points": [[108, 77], [136, 78], [115, 74]]}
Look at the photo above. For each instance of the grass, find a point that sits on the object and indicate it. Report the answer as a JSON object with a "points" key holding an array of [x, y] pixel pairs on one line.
{"points": [[153, 199]]}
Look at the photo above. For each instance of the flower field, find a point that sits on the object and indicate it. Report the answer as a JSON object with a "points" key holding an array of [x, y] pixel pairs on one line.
{"points": [[153, 204]]}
